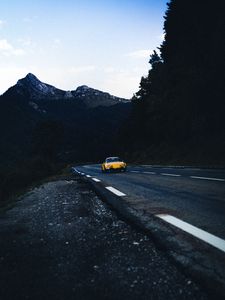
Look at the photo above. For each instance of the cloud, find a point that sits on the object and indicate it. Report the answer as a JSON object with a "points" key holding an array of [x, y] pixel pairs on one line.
{"points": [[7, 49], [109, 70], [57, 41], [29, 19], [145, 53], [122, 83], [2, 23], [26, 42], [81, 69]]}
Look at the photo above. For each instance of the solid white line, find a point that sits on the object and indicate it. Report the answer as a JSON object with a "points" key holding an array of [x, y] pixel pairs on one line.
{"points": [[199, 233], [149, 173], [88, 176], [168, 174], [96, 179], [208, 178], [115, 191]]}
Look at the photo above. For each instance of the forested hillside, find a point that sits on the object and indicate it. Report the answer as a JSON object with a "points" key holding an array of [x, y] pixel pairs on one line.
{"points": [[43, 129], [178, 113]]}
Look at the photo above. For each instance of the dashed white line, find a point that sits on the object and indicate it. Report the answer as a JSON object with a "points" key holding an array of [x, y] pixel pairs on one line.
{"points": [[207, 178], [115, 191], [149, 173], [88, 176], [135, 171], [169, 174], [96, 179], [195, 231], [147, 166]]}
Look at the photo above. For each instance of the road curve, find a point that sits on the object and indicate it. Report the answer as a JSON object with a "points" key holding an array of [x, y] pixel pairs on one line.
{"points": [[194, 195], [183, 208]]}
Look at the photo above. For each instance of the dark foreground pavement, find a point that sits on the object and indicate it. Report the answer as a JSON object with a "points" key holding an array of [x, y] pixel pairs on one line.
{"points": [[61, 241]]}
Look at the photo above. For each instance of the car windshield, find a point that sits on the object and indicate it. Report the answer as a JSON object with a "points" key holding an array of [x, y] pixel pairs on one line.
{"points": [[112, 159]]}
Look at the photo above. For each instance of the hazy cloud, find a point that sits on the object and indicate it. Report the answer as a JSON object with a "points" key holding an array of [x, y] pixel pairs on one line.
{"points": [[1, 23], [124, 81], [109, 70], [29, 19], [81, 69], [7, 49], [145, 53]]}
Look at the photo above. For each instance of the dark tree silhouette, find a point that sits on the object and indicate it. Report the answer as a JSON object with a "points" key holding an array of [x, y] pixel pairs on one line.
{"points": [[179, 109]]}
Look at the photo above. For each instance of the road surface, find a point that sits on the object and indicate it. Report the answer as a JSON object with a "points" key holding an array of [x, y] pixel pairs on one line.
{"points": [[194, 195], [183, 207], [60, 241]]}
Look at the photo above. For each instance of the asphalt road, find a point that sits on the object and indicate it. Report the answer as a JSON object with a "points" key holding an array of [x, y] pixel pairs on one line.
{"points": [[60, 241], [193, 195], [183, 208]]}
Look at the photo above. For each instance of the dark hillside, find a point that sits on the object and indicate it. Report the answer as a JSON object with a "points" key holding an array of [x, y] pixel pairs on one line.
{"points": [[43, 128], [178, 113]]}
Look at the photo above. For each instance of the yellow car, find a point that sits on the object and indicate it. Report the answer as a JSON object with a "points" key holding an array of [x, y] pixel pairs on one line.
{"points": [[113, 164]]}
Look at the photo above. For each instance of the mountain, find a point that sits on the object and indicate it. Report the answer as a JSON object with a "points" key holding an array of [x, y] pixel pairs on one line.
{"points": [[34, 89], [39, 119]]}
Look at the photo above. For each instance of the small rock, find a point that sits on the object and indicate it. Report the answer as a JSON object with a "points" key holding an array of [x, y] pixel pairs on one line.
{"points": [[135, 243]]}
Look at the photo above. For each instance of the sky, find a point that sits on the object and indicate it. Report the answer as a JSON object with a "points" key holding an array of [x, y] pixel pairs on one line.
{"points": [[67, 43]]}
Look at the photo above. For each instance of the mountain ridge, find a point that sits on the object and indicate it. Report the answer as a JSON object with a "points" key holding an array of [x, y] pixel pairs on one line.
{"points": [[30, 116], [34, 89]]}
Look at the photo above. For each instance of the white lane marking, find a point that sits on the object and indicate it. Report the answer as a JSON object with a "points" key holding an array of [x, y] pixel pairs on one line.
{"points": [[135, 171], [146, 166], [91, 167], [208, 178], [88, 176], [195, 231], [149, 173], [96, 179], [115, 191], [82, 173], [169, 174]]}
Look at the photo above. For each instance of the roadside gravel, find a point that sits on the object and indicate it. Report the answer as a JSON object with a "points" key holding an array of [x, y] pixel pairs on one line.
{"points": [[60, 241]]}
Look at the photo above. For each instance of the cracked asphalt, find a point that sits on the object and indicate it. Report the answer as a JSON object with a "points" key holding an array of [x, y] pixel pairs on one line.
{"points": [[60, 241]]}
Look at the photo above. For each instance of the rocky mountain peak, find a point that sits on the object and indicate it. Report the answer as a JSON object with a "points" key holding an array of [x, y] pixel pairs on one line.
{"points": [[37, 89], [31, 88], [29, 79]]}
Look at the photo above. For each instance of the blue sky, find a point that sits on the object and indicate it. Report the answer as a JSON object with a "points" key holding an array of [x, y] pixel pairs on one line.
{"points": [[67, 43]]}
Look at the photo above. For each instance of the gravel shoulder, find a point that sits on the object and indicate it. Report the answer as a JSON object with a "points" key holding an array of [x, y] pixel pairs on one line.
{"points": [[60, 241]]}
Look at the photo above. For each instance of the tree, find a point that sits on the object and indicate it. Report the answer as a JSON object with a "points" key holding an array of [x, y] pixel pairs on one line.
{"points": [[47, 139], [180, 104]]}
